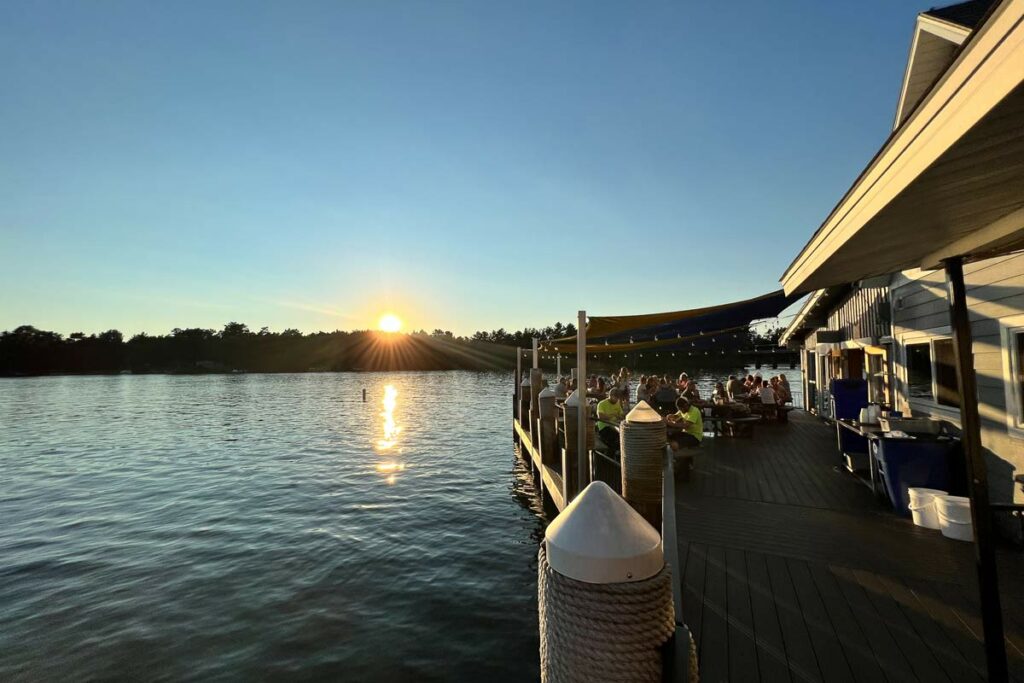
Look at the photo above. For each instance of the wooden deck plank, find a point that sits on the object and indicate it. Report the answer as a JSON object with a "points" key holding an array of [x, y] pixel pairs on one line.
{"points": [[886, 650], [969, 647], [832, 584], [930, 631], [920, 656], [693, 588], [771, 649], [802, 662], [827, 648], [859, 654], [965, 605], [714, 647], [742, 651]]}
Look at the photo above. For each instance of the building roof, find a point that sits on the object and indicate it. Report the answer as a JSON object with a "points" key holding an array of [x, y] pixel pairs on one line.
{"points": [[967, 14], [922, 198]]}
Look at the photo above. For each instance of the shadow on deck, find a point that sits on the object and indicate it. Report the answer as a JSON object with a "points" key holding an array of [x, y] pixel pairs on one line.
{"points": [[793, 570]]}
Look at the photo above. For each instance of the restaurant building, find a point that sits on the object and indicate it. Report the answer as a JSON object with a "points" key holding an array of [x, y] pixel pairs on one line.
{"points": [[894, 329]]}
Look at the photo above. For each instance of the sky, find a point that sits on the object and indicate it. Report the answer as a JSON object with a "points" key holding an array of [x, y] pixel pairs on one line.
{"points": [[465, 165]]}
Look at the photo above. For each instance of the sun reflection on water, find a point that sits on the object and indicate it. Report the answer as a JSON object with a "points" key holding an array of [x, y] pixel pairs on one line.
{"points": [[391, 432]]}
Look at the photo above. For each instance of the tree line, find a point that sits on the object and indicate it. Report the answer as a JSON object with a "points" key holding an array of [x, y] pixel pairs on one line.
{"points": [[27, 350]]}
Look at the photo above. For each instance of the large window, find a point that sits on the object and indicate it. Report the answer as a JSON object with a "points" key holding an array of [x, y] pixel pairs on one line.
{"points": [[1016, 406], [919, 371], [945, 373], [931, 372]]}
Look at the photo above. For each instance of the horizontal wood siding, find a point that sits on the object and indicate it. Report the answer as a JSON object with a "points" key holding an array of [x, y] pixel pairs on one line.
{"points": [[995, 291]]}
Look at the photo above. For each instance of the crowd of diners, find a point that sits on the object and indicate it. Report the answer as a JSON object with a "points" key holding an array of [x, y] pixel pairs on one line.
{"points": [[679, 401]]}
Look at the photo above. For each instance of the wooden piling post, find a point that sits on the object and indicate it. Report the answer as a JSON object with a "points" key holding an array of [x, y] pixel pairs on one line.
{"points": [[583, 468]]}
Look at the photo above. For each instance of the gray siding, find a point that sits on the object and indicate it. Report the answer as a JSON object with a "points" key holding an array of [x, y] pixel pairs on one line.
{"points": [[995, 291]]}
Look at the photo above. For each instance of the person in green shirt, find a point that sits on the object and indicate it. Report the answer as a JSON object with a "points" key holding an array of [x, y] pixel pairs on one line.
{"points": [[689, 422], [609, 415]]}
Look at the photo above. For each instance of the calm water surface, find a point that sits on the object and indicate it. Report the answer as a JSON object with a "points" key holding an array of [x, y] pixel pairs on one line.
{"points": [[265, 526]]}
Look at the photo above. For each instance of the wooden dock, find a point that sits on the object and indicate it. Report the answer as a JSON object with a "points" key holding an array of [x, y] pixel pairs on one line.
{"points": [[794, 571]]}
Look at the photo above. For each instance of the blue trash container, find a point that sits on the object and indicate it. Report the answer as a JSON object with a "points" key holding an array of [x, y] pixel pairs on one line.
{"points": [[906, 463]]}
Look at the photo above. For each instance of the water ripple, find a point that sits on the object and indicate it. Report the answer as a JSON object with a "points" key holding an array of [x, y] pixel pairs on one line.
{"points": [[240, 527]]}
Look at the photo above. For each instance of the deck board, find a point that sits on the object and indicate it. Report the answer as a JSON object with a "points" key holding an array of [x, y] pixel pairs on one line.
{"points": [[793, 570]]}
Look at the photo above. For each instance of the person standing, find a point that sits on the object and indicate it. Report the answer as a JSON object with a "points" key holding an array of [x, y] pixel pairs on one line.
{"points": [[642, 391]]}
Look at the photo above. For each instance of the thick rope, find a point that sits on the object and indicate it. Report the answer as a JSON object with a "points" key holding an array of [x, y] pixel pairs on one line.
{"points": [[602, 632], [643, 446]]}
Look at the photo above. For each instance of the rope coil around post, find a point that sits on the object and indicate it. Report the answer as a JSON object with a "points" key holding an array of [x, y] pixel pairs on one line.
{"points": [[642, 438], [602, 632]]}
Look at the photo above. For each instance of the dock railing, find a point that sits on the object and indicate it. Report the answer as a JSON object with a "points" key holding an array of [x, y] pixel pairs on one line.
{"points": [[676, 652]]}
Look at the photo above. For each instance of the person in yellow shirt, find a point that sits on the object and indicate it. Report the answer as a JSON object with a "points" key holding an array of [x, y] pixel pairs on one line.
{"points": [[690, 424], [609, 415]]}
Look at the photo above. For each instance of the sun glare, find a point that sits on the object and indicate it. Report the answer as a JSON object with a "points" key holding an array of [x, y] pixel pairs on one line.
{"points": [[389, 323]]}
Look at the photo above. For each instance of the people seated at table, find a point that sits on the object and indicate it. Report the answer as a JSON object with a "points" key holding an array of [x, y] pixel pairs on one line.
{"points": [[720, 394], [748, 383], [767, 394], [601, 387], [665, 396], [734, 387], [691, 391], [561, 388], [609, 415], [783, 391], [686, 426], [683, 380]]}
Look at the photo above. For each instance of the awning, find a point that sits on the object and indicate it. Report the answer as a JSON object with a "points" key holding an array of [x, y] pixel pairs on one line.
{"points": [[675, 329], [948, 182]]}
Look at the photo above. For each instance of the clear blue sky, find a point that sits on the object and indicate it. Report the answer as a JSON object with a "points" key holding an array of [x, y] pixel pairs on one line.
{"points": [[468, 165]]}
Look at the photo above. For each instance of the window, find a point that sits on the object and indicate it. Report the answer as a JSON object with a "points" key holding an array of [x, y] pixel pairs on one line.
{"points": [[945, 373], [1015, 390], [931, 372], [1011, 332], [919, 371]]}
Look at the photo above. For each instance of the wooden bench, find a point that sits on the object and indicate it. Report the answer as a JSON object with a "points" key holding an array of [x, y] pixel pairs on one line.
{"points": [[742, 426]]}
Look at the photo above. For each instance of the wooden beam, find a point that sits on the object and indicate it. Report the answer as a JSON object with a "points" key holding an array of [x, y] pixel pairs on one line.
{"points": [[1008, 230], [977, 474]]}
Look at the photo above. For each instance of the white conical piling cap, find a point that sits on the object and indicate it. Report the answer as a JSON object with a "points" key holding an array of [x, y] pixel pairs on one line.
{"points": [[599, 538], [574, 399], [526, 380], [643, 413], [546, 392]]}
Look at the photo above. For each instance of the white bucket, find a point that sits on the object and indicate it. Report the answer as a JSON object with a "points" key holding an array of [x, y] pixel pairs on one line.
{"points": [[922, 506], [954, 513]]}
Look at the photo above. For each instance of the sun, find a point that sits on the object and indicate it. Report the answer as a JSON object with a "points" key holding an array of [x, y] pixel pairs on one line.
{"points": [[389, 322]]}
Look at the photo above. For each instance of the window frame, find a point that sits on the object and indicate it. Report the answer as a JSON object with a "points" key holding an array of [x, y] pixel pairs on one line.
{"points": [[1009, 329], [932, 405]]}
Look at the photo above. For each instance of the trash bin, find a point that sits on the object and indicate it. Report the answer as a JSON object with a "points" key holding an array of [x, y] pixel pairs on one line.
{"points": [[917, 462]]}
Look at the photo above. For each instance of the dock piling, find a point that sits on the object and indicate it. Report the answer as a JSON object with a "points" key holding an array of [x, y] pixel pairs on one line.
{"points": [[600, 557], [642, 442]]}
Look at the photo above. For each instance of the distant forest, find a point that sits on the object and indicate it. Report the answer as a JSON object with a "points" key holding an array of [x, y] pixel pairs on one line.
{"points": [[30, 351]]}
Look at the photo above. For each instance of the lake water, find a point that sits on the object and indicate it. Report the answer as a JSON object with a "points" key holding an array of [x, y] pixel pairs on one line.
{"points": [[265, 526]]}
